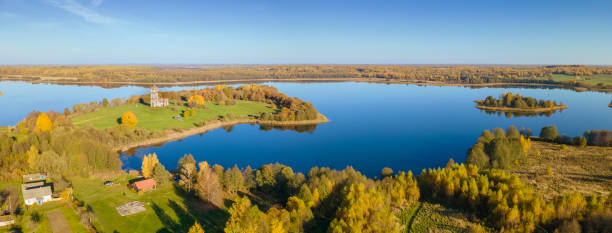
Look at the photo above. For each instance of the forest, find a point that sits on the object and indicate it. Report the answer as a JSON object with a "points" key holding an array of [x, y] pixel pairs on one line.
{"points": [[510, 100], [569, 76], [326, 200]]}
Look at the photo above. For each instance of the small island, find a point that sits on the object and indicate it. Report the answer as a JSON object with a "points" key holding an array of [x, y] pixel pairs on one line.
{"points": [[610, 105], [510, 102]]}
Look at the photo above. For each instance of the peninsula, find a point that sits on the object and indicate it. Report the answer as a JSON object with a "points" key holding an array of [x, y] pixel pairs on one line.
{"points": [[165, 116], [510, 102]]}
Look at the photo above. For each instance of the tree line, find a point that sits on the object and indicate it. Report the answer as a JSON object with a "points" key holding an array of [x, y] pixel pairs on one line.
{"points": [[47, 142], [511, 206], [460, 74], [323, 200], [334, 201], [590, 137]]}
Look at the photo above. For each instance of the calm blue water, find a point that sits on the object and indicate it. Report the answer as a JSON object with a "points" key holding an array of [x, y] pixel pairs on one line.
{"points": [[405, 127]]}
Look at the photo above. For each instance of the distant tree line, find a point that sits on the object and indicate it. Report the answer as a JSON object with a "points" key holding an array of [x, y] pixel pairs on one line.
{"points": [[460, 74], [511, 100], [593, 137]]}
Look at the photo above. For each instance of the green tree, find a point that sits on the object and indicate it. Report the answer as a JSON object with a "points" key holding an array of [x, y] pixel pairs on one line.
{"points": [[160, 174], [477, 156], [549, 133]]}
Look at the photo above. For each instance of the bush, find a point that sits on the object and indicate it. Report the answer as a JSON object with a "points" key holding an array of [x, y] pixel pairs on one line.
{"points": [[549, 133]]}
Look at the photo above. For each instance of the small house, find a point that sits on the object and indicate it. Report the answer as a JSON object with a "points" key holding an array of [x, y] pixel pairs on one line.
{"points": [[144, 185], [36, 193], [34, 177]]}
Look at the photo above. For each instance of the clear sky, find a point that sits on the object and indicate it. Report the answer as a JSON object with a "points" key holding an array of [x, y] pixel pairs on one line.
{"points": [[288, 31]]}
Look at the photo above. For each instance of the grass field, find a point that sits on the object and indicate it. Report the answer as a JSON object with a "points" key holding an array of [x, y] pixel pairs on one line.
{"points": [[591, 80], [430, 217], [585, 170], [44, 224], [168, 209], [162, 118]]}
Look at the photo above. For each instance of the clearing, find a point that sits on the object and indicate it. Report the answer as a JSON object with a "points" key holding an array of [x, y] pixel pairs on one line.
{"points": [[167, 209], [431, 217], [163, 118], [585, 170], [57, 222]]}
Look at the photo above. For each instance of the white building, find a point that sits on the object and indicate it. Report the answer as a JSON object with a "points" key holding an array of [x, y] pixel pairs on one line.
{"points": [[155, 100], [36, 193]]}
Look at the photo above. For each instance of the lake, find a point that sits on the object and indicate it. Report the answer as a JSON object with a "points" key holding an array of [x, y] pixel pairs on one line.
{"points": [[405, 127]]}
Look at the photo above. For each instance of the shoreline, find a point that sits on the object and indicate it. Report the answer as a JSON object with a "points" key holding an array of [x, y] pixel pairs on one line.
{"points": [[215, 125], [70, 81], [526, 110]]}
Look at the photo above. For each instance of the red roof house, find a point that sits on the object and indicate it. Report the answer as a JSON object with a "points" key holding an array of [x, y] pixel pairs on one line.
{"points": [[144, 185]]}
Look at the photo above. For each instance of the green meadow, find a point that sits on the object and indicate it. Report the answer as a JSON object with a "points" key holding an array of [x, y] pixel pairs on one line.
{"points": [[163, 118], [168, 208], [591, 80]]}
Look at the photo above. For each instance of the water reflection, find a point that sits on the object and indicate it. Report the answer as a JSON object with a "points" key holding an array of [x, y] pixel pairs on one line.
{"points": [[229, 128], [296, 128], [521, 114]]}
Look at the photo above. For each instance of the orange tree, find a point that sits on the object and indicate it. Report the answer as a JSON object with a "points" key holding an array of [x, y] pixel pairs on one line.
{"points": [[129, 119]]}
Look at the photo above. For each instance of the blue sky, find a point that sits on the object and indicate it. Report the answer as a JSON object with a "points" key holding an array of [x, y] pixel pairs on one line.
{"points": [[285, 32]]}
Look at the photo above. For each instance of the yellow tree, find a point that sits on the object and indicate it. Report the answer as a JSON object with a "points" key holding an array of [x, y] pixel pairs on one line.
{"points": [[198, 99], [196, 228], [148, 164], [244, 217], [32, 157], [129, 119], [43, 122]]}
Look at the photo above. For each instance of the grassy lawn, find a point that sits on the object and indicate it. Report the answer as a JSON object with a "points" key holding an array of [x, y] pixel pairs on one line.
{"points": [[585, 170], [162, 118], [591, 80], [430, 217], [43, 224], [168, 209]]}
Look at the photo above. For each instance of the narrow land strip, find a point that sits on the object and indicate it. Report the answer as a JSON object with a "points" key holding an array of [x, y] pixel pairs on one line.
{"points": [[218, 124]]}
